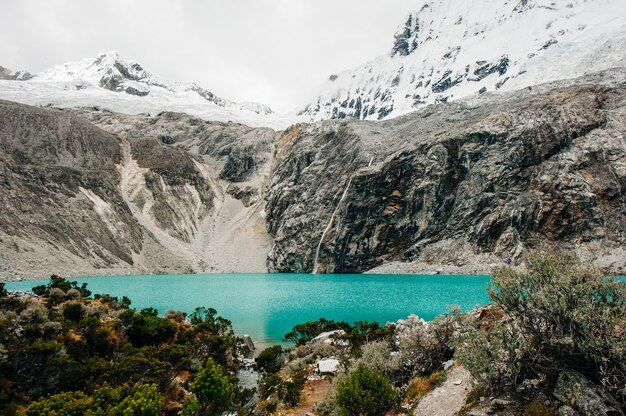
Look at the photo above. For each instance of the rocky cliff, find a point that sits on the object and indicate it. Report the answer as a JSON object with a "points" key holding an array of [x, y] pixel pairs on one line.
{"points": [[93, 192], [484, 178], [451, 188]]}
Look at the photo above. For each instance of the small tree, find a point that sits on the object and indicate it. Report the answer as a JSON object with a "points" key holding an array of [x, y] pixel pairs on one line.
{"points": [[365, 393], [213, 390], [271, 359]]}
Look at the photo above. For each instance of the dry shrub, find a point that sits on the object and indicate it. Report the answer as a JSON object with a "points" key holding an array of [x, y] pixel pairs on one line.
{"points": [[420, 386], [539, 409]]}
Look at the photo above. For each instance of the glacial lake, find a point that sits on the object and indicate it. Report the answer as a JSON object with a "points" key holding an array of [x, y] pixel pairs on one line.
{"points": [[266, 306]]}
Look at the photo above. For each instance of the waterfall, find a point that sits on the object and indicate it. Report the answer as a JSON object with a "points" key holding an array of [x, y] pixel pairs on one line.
{"points": [[332, 218]]}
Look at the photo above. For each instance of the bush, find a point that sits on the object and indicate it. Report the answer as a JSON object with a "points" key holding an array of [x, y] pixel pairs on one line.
{"points": [[121, 401], [268, 383], [205, 320], [557, 315], [74, 311], [62, 284], [213, 389], [303, 333], [363, 332], [291, 390], [3, 291], [424, 347], [420, 386], [377, 355], [147, 329], [271, 359], [365, 393]]}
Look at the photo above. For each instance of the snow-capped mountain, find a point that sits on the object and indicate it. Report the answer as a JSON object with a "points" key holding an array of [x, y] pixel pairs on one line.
{"points": [[110, 82], [449, 49]]}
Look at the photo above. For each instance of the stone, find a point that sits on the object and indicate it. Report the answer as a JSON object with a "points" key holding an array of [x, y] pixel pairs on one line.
{"points": [[328, 366], [566, 411], [247, 342], [328, 337], [499, 404], [576, 391]]}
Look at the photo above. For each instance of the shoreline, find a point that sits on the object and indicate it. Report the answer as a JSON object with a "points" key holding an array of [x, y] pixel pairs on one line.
{"points": [[428, 272]]}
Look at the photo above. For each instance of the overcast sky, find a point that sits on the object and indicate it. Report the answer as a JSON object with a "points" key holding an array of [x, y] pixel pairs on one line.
{"points": [[276, 52]]}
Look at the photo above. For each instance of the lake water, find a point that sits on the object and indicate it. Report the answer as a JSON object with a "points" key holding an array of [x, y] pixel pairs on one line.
{"points": [[266, 306]]}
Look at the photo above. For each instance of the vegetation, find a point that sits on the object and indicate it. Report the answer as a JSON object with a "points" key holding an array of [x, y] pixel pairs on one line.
{"points": [[139, 399], [214, 391], [270, 360], [554, 316], [365, 393], [64, 352], [303, 333]]}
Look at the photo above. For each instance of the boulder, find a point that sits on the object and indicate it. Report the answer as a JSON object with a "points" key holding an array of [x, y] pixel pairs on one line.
{"points": [[247, 342], [328, 366], [328, 337], [575, 391]]}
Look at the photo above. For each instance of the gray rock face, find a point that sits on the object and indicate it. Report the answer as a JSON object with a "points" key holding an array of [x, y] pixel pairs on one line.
{"points": [[88, 192], [497, 174], [93, 192], [58, 184], [579, 394], [7, 74]]}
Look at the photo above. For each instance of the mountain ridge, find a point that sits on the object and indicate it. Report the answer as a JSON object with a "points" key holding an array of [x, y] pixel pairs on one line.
{"points": [[447, 50], [110, 82]]}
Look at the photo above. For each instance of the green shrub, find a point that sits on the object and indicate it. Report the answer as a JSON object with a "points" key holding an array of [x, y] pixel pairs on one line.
{"points": [[363, 332], [289, 391], [3, 291], [557, 315], [213, 389], [139, 399], [147, 330], [365, 393], [270, 360], [206, 320], [303, 333], [62, 284], [74, 311], [268, 383]]}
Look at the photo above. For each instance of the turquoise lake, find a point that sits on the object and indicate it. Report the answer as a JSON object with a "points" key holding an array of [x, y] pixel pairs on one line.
{"points": [[266, 306]]}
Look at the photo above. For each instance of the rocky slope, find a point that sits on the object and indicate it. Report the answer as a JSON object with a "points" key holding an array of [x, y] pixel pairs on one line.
{"points": [[121, 194], [451, 188], [473, 180], [447, 50]]}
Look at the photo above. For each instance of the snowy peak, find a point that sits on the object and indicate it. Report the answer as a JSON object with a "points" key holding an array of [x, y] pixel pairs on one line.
{"points": [[111, 72], [110, 82], [7, 74], [447, 49]]}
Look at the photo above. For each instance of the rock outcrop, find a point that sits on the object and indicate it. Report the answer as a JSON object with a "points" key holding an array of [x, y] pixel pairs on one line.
{"points": [[496, 174]]}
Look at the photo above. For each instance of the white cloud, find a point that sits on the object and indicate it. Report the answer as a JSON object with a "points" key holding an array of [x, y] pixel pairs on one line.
{"points": [[272, 51]]}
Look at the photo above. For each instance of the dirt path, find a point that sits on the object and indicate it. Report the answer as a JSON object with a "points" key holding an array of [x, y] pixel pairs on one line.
{"points": [[313, 392], [449, 398]]}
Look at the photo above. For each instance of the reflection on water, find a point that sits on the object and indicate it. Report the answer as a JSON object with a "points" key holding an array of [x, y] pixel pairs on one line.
{"points": [[266, 306]]}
